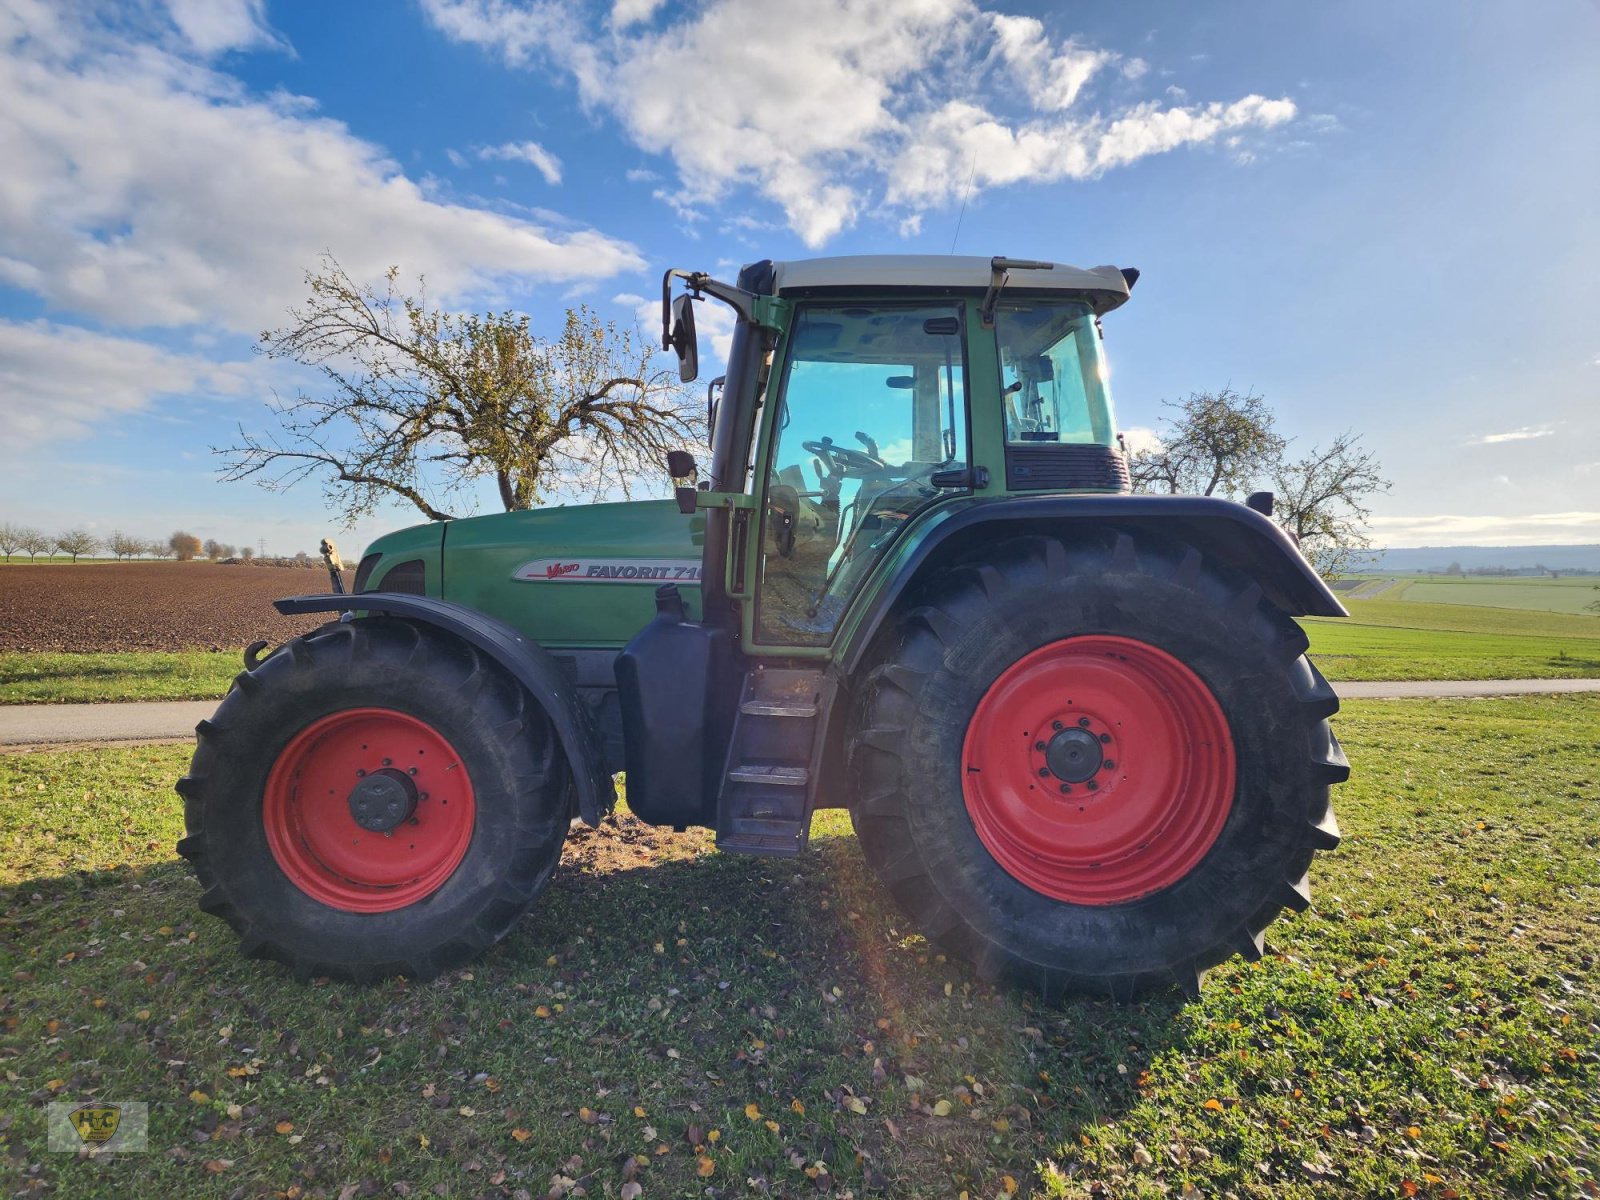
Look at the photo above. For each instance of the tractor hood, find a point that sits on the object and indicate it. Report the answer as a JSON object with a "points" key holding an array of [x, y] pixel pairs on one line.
{"points": [[579, 576]]}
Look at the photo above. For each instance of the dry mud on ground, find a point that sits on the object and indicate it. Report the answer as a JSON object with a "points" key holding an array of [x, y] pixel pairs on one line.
{"points": [[150, 606]]}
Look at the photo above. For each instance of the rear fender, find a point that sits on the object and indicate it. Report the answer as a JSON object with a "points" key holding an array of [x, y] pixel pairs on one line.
{"points": [[527, 661], [1224, 532]]}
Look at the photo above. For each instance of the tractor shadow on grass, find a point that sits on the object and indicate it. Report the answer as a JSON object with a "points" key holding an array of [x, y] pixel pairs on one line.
{"points": [[753, 944]]}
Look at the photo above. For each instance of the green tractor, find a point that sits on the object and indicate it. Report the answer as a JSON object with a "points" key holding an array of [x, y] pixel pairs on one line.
{"points": [[1075, 728]]}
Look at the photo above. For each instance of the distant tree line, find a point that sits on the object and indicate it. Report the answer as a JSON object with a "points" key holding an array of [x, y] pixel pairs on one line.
{"points": [[79, 543]]}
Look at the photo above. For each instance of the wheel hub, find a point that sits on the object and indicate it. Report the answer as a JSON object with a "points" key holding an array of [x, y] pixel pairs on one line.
{"points": [[1074, 755], [383, 800]]}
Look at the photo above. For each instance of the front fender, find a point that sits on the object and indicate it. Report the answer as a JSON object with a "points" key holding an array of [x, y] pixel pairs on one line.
{"points": [[527, 661]]}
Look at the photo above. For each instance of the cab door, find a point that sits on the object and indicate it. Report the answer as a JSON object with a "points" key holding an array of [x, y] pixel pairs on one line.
{"points": [[867, 428]]}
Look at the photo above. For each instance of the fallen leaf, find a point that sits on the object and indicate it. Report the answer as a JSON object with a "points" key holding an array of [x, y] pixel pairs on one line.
{"points": [[284, 1126], [218, 1165], [638, 1111], [942, 1109], [857, 1105], [704, 1166], [796, 1107], [1009, 1184], [1212, 1106], [631, 1190], [197, 1095], [773, 1126], [541, 1011], [521, 1135], [752, 1111]]}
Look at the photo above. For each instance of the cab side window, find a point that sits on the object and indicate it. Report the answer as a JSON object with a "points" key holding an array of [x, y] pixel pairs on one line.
{"points": [[872, 403]]}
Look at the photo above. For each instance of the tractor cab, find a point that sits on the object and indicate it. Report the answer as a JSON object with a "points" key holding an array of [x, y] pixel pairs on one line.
{"points": [[865, 392]]}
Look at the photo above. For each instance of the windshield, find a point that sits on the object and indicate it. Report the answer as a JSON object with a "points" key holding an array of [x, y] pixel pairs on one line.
{"points": [[1053, 373]]}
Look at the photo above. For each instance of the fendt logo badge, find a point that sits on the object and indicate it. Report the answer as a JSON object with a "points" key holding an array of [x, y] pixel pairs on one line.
{"points": [[609, 570]]}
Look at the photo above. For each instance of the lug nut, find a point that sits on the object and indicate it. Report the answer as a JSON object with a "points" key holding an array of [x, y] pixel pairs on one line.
{"points": [[1039, 746], [1110, 764], [388, 762], [1044, 772], [1105, 737], [1084, 721], [1057, 726], [1092, 786], [1066, 789], [360, 774], [411, 770]]}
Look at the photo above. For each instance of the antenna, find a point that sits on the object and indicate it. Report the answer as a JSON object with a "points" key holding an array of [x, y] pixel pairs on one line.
{"points": [[965, 196]]}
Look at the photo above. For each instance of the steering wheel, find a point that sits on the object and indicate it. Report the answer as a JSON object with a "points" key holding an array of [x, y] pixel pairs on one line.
{"points": [[845, 462]]}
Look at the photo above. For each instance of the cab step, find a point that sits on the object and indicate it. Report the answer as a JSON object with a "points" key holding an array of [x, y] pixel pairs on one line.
{"points": [[764, 806]]}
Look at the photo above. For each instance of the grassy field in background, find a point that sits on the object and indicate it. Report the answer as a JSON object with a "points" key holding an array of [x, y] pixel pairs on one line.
{"points": [[1405, 639], [703, 1024], [1566, 594], [36, 678]]}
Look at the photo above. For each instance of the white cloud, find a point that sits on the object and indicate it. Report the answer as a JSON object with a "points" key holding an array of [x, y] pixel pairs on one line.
{"points": [[1499, 530], [58, 381], [632, 12], [532, 153], [1523, 434], [641, 175], [213, 26], [145, 189], [854, 105]]}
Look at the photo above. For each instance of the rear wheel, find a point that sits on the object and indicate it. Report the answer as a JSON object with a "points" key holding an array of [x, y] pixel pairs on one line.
{"points": [[376, 798], [1095, 766]]}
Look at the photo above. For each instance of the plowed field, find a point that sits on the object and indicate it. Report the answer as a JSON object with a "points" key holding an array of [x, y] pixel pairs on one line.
{"points": [[149, 606]]}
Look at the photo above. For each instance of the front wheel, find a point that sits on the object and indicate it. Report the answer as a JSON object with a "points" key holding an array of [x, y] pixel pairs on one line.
{"points": [[374, 799], [1095, 766]]}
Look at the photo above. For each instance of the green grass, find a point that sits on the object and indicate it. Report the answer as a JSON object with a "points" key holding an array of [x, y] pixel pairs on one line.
{"points": [[1566, 594], [1402, 639], [1432, 1024], [38, 678]]}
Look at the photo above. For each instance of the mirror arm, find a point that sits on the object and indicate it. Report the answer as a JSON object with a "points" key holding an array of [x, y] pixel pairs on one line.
{"points": [[767, 312]]}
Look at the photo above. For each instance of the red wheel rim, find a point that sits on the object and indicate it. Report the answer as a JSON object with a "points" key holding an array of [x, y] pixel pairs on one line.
{"points": [[1098, 769], [310, 804]]}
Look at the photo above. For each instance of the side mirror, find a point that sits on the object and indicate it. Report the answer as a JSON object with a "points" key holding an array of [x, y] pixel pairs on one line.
{"points": [[681, 466], [683, 338]]}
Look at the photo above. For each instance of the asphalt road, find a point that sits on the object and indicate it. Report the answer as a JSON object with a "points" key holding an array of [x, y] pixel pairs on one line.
{"points": [[168, 720]]}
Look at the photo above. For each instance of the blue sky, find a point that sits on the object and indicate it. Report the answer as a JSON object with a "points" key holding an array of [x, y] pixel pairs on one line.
{"points": [[1380, 216]]}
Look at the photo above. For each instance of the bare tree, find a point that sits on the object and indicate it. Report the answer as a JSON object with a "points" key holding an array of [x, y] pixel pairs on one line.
{"points": [[1226, 444], [247, 552], [124, 546], [34, 542], [1213, 443], [420, 404], [184, 545], [10, 538], [213, 549], [76, 542], [1322, 499], [158, 549]]}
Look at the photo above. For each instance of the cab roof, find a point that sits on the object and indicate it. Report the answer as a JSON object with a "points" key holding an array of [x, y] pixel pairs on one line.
{"points": [[1104, 287]]}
